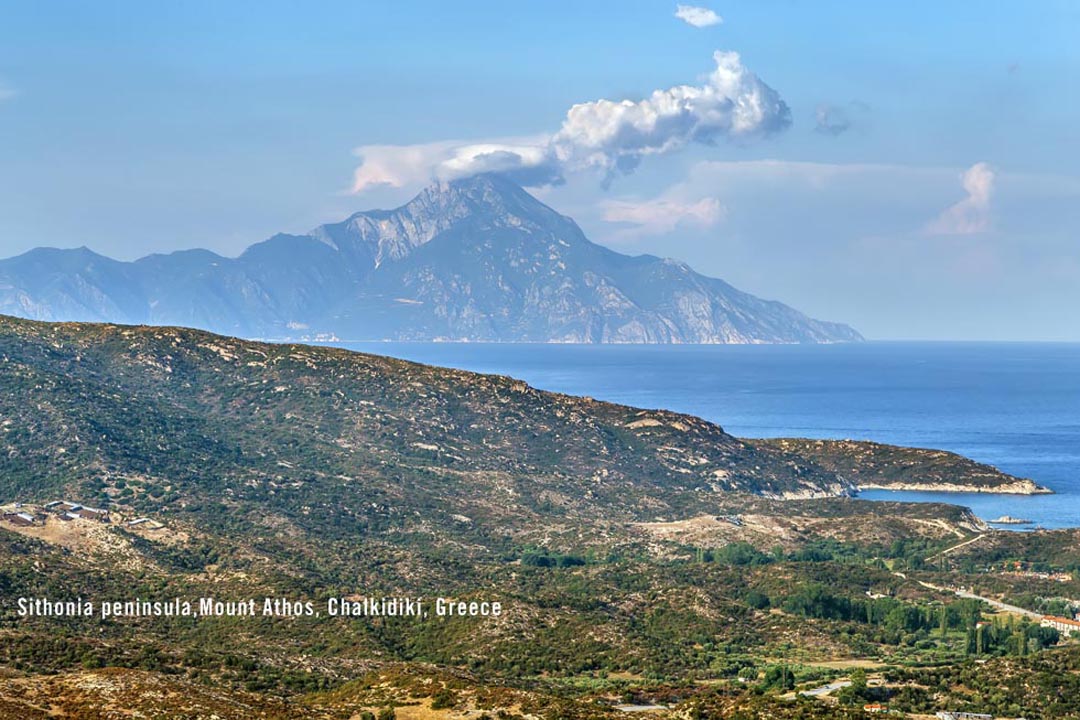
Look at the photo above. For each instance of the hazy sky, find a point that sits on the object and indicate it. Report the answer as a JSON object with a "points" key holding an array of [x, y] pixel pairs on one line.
{"points": [[912, 168]]}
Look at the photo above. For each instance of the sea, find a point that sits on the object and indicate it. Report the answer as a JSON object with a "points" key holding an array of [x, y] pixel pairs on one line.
{"points": [[1013, 405]]}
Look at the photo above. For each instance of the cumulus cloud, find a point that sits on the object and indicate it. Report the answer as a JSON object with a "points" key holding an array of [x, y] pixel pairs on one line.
{"points": [[608, 136], [731, 104], [972, 214], [699, 17], [661, 216]]}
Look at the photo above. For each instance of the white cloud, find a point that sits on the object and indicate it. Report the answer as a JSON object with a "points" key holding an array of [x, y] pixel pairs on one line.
{"points": [[6, 91], [972, 214], [605, 135], [613, 136], [524, 159], [528, 163], [661, 216], [699, 17], [397, 165]]}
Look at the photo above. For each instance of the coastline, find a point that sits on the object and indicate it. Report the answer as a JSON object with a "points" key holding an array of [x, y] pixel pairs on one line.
{"points": [[1021, 487], [1046, 511]]}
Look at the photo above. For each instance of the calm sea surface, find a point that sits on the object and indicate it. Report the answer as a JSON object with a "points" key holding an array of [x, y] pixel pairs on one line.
{"points": [[1013, 405]]}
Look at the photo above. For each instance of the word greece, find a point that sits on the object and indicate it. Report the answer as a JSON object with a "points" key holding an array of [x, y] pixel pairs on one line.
{"points": [[352, 606]]}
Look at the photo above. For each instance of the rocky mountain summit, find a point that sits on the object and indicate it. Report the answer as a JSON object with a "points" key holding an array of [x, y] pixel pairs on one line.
{"points": [[476, 259]]}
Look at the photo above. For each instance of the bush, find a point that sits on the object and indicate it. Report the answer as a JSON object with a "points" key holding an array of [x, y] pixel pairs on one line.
{"points": [[757, 600], [443, 699]]}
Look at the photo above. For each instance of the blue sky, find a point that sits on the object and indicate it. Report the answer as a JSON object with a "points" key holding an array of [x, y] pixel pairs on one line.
{"points": [[924, 183]]}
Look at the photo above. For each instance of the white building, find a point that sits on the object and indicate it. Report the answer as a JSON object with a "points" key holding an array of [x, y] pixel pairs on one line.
{"points": [[1065, 626]]}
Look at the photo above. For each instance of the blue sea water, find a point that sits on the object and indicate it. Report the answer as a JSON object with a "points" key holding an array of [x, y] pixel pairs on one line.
{"points": [[1013, 405]]}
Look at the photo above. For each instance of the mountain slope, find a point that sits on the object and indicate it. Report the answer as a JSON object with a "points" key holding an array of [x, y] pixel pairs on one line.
{"points": [[477, 259], [873, 466], [360, 440], [175, 420]]}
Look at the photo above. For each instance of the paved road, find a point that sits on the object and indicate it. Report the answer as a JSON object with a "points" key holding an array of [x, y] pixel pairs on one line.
{"points": [[826, 689], [989, 601], [999, 605]]}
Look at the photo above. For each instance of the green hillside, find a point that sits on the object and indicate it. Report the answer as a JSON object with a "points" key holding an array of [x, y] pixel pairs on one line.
{"points": [[640, 556]]}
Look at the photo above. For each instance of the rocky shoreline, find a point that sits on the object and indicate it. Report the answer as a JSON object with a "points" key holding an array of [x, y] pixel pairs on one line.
{"points": [[1019, 487], [1010, 520], [866, 465]]}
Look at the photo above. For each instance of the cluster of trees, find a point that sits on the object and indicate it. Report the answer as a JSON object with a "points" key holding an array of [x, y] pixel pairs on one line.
{"points": [[1001, 637], [815, 600], [900, 619], [909, 553], [544, 558], [1044, 685]]}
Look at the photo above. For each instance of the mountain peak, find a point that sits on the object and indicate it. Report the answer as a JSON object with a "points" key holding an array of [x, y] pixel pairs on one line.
{"points": [[483, 182], [487, 193], [483, 201]]}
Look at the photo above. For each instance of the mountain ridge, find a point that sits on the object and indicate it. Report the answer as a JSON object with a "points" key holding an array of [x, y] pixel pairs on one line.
{"points": [[476, 259]]}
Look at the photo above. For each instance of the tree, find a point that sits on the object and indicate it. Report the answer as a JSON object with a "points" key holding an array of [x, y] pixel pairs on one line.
{"points": [[757, 600], [856, 692], [778, 677], [443, 699]]}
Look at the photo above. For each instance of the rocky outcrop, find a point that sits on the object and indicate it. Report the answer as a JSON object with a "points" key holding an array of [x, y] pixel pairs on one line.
{"points": [[876, 466], [1010, 520]]}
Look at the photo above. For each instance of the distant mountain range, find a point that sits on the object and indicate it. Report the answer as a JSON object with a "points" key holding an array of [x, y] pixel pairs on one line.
{"points": [[476, 259]]}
